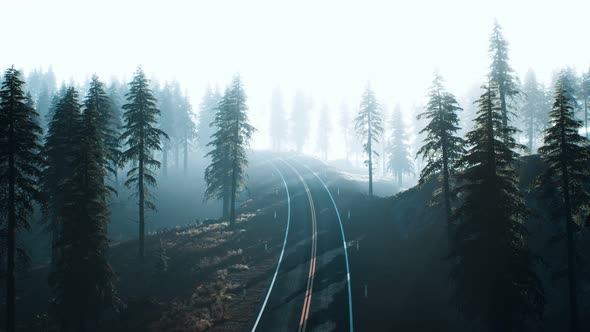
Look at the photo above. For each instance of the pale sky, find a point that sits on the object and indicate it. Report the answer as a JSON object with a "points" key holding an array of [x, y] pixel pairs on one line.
{"points": [[330, 49]]}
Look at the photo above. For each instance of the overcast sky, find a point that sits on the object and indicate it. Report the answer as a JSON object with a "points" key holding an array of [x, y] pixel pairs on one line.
{"points": [[330, 49]]}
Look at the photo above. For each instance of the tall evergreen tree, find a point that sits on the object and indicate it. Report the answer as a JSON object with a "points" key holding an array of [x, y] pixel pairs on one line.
{"points": [[567, 153], [534, 109], [585, 96], [20, 172], [400, 160], [369, 127], [324, 127], [442, 148], [142, 139], [116, 93], [231, 139], [82, 281], [58, 149], [207, 110], [300, 120], [107, 121], [491, 264], [218, 172], [501, 72], [278, 120]]}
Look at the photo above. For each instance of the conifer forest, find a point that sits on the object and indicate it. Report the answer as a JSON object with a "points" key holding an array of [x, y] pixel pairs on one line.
{"points": [[258, 165]]}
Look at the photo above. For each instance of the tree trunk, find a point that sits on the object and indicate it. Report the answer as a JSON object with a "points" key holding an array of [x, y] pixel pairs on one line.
{"points": [[11, 234], [370, 151], [141, 199], [571, 245]]}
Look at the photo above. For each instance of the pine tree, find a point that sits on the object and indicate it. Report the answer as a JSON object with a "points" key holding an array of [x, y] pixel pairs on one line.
{"points": [[491, 264], [218, 172], [82, 281], [107, 122], [207, 110], [142, 139], [20, 172], [278, 120], [229, 156], [400, 160], [300, 120], [369, 127], [585, 96], [442, 147], [58, 149], [566, 153], [533, 111], [324, 127], [501, 72]]}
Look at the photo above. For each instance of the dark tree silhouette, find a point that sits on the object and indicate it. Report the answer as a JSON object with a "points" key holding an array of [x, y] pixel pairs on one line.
{"points": [[229, 156], [501, 72], [442, 147], [566, 153], [58, 148], [142, 139], [369, 127], [82, 281], [491, 264], [20, 171]]}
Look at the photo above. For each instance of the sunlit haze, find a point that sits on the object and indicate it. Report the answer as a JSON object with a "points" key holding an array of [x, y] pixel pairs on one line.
{"points": [[329, 49]]}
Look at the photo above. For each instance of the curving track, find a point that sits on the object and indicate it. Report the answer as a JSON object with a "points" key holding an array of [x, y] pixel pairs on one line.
{"points": [[310, 290]]}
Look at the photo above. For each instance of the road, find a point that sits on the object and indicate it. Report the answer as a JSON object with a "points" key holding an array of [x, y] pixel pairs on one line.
{"points": [[310, 290]]}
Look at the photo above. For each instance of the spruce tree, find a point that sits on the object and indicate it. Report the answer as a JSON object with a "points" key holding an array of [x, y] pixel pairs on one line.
{"points": [[501, 72], [107, 122], [566, 153], [58, 151], [533, 110], [229, 155], [494, 283], [20, 172], [585, 96], [400, 159], [442, 147], [82, 281], [142, 139], [324, 127], [368, 125], [218, 173], [278, 121]]}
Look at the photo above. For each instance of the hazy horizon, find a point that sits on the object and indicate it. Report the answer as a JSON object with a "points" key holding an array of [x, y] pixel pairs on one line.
{"points": [[328, 49]]}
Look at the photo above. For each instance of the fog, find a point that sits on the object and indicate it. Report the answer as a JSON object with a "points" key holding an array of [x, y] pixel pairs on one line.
{"points": [[329, 49]]}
